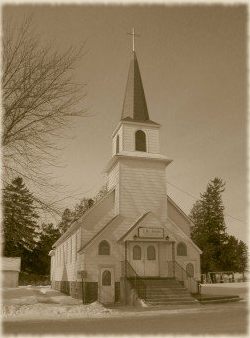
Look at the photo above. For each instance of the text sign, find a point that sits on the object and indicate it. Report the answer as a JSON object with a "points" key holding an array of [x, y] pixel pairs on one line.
{"points": [[151, 232]]}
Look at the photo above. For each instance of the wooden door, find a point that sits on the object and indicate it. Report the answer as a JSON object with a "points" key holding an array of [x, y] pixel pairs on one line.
{"points": [[106, 286]]}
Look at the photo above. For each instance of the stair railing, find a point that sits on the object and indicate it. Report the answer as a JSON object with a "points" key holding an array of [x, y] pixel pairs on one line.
{"points": [[177, 271], [134, 279]]}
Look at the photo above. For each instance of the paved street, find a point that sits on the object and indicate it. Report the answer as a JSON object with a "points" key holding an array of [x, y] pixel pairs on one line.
{"points": [[230, 318]]}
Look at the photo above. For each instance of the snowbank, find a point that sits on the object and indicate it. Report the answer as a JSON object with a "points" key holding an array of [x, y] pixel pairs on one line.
{"points": [[237, 289], [44, 302], [43, 311]]}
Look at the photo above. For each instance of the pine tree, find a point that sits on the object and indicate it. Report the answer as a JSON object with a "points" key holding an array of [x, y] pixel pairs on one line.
{"points": [[19, 219], [41, 259], [221, 251], [209, 230], [234, 255]]}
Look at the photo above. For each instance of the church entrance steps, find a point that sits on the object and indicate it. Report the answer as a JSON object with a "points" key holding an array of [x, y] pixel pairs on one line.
{"points": [[176, 302], [163, 291]]}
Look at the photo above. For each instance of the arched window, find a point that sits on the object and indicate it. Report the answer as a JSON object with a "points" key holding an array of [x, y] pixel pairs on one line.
{"points": [[190, 270], [140, 141], [151, 253], [106, 277], [136, 253], [181, 249], [117, 144], [104, 248]]}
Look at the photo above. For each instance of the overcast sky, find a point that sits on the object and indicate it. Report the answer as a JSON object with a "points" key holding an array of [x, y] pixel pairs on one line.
{"points": [[193, 67]]}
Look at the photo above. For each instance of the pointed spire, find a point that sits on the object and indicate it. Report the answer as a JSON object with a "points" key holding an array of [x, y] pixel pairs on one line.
{"points": [[134, 105]]}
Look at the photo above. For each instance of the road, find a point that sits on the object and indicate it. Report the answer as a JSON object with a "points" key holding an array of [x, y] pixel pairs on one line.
{"points": [[230, 318]]}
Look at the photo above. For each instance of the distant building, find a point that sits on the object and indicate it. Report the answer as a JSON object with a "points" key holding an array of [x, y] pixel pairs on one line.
{"points": [[10, 271], [136, 229]]}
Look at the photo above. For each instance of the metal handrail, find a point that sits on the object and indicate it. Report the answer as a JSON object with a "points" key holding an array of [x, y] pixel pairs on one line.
{"points": [[182, 275], [134, 279]]}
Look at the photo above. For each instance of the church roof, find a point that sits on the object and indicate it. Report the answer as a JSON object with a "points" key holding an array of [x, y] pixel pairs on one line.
{"points": [[134, 105]]}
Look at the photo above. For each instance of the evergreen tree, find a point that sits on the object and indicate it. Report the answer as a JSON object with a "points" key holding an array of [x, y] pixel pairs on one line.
{"points": [[209, 230], [234, 255], [221, 252], [40, 257], [19, 219]]}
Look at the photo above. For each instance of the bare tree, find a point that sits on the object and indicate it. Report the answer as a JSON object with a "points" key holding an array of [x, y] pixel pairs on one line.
{"points": [[39, 99]]}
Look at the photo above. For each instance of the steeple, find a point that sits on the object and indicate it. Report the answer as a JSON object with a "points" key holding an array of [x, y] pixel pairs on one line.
{"points": [[134, 105]]}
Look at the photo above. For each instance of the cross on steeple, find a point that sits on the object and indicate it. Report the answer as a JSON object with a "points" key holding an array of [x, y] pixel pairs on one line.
{"points": [[133, 39]]}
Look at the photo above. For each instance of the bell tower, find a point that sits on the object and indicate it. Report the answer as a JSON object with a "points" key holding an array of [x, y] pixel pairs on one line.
{"points": [[137, 169]]}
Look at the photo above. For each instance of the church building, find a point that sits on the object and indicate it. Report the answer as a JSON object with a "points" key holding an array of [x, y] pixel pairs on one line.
{"points": [[136, 237]]}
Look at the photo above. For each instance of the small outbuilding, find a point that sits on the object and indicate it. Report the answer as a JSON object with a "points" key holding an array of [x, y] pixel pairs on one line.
{"points": [[10, 271]]}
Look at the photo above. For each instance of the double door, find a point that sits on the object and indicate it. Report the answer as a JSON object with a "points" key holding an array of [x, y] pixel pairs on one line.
{"points": [[143, 257]]}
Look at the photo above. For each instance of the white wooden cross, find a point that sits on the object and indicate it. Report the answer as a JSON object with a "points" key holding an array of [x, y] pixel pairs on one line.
{"points": [[133, 38]]}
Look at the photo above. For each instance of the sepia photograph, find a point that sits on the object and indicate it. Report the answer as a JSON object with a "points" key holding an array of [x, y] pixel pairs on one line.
{"points": [[124, 168]]}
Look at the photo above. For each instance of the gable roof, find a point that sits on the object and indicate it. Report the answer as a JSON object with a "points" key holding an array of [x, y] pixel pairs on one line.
{"points": [[75, 225], [170, 200], [97, 234], [176, 230], [133, 225]]}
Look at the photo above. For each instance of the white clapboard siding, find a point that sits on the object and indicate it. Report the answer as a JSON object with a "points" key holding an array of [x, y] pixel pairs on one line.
{"points": [[142, 188], [88, 234], [96, 220], [93, 260], [113, 177], [64, 265]]}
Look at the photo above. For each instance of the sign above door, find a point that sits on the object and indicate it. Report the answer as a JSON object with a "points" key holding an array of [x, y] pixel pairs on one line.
{"points": [[144, 232]]}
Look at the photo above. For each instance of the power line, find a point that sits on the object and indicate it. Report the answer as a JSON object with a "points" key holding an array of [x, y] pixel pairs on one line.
{"points": [[196, 198]]}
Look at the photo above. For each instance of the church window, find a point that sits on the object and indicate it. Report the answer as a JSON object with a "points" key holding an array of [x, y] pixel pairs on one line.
{"points": [[181, 249], [104, 248], [190, 270], [106, 278], [136, 253], [140, 140], [151, 256], [117, 144]]}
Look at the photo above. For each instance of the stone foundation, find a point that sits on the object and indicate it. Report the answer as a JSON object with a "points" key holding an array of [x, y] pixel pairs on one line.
{"points": [[74, 289]]}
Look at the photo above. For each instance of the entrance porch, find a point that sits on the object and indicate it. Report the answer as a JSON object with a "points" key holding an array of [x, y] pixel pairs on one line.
{"points": [[150, 258]]}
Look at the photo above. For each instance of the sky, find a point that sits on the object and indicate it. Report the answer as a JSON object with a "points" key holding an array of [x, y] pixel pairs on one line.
{"points": [[193, 63]]}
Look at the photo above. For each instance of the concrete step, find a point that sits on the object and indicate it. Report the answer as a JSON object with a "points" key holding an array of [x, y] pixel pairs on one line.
{"points": [[169, 290], [169, 300], [160, 281], [168, 296], [176, 302], [166, 290]]}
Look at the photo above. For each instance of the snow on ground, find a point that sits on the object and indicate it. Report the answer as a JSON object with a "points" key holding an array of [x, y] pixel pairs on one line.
{"points": [[28, 302], [238, 289], [44, 302]]}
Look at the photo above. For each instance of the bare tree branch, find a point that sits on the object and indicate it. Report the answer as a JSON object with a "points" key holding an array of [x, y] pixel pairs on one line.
{"points": [[39, 98]]}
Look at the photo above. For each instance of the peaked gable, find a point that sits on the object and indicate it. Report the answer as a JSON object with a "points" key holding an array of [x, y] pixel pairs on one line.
{"points": [[148, 221], [93, 219]]}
